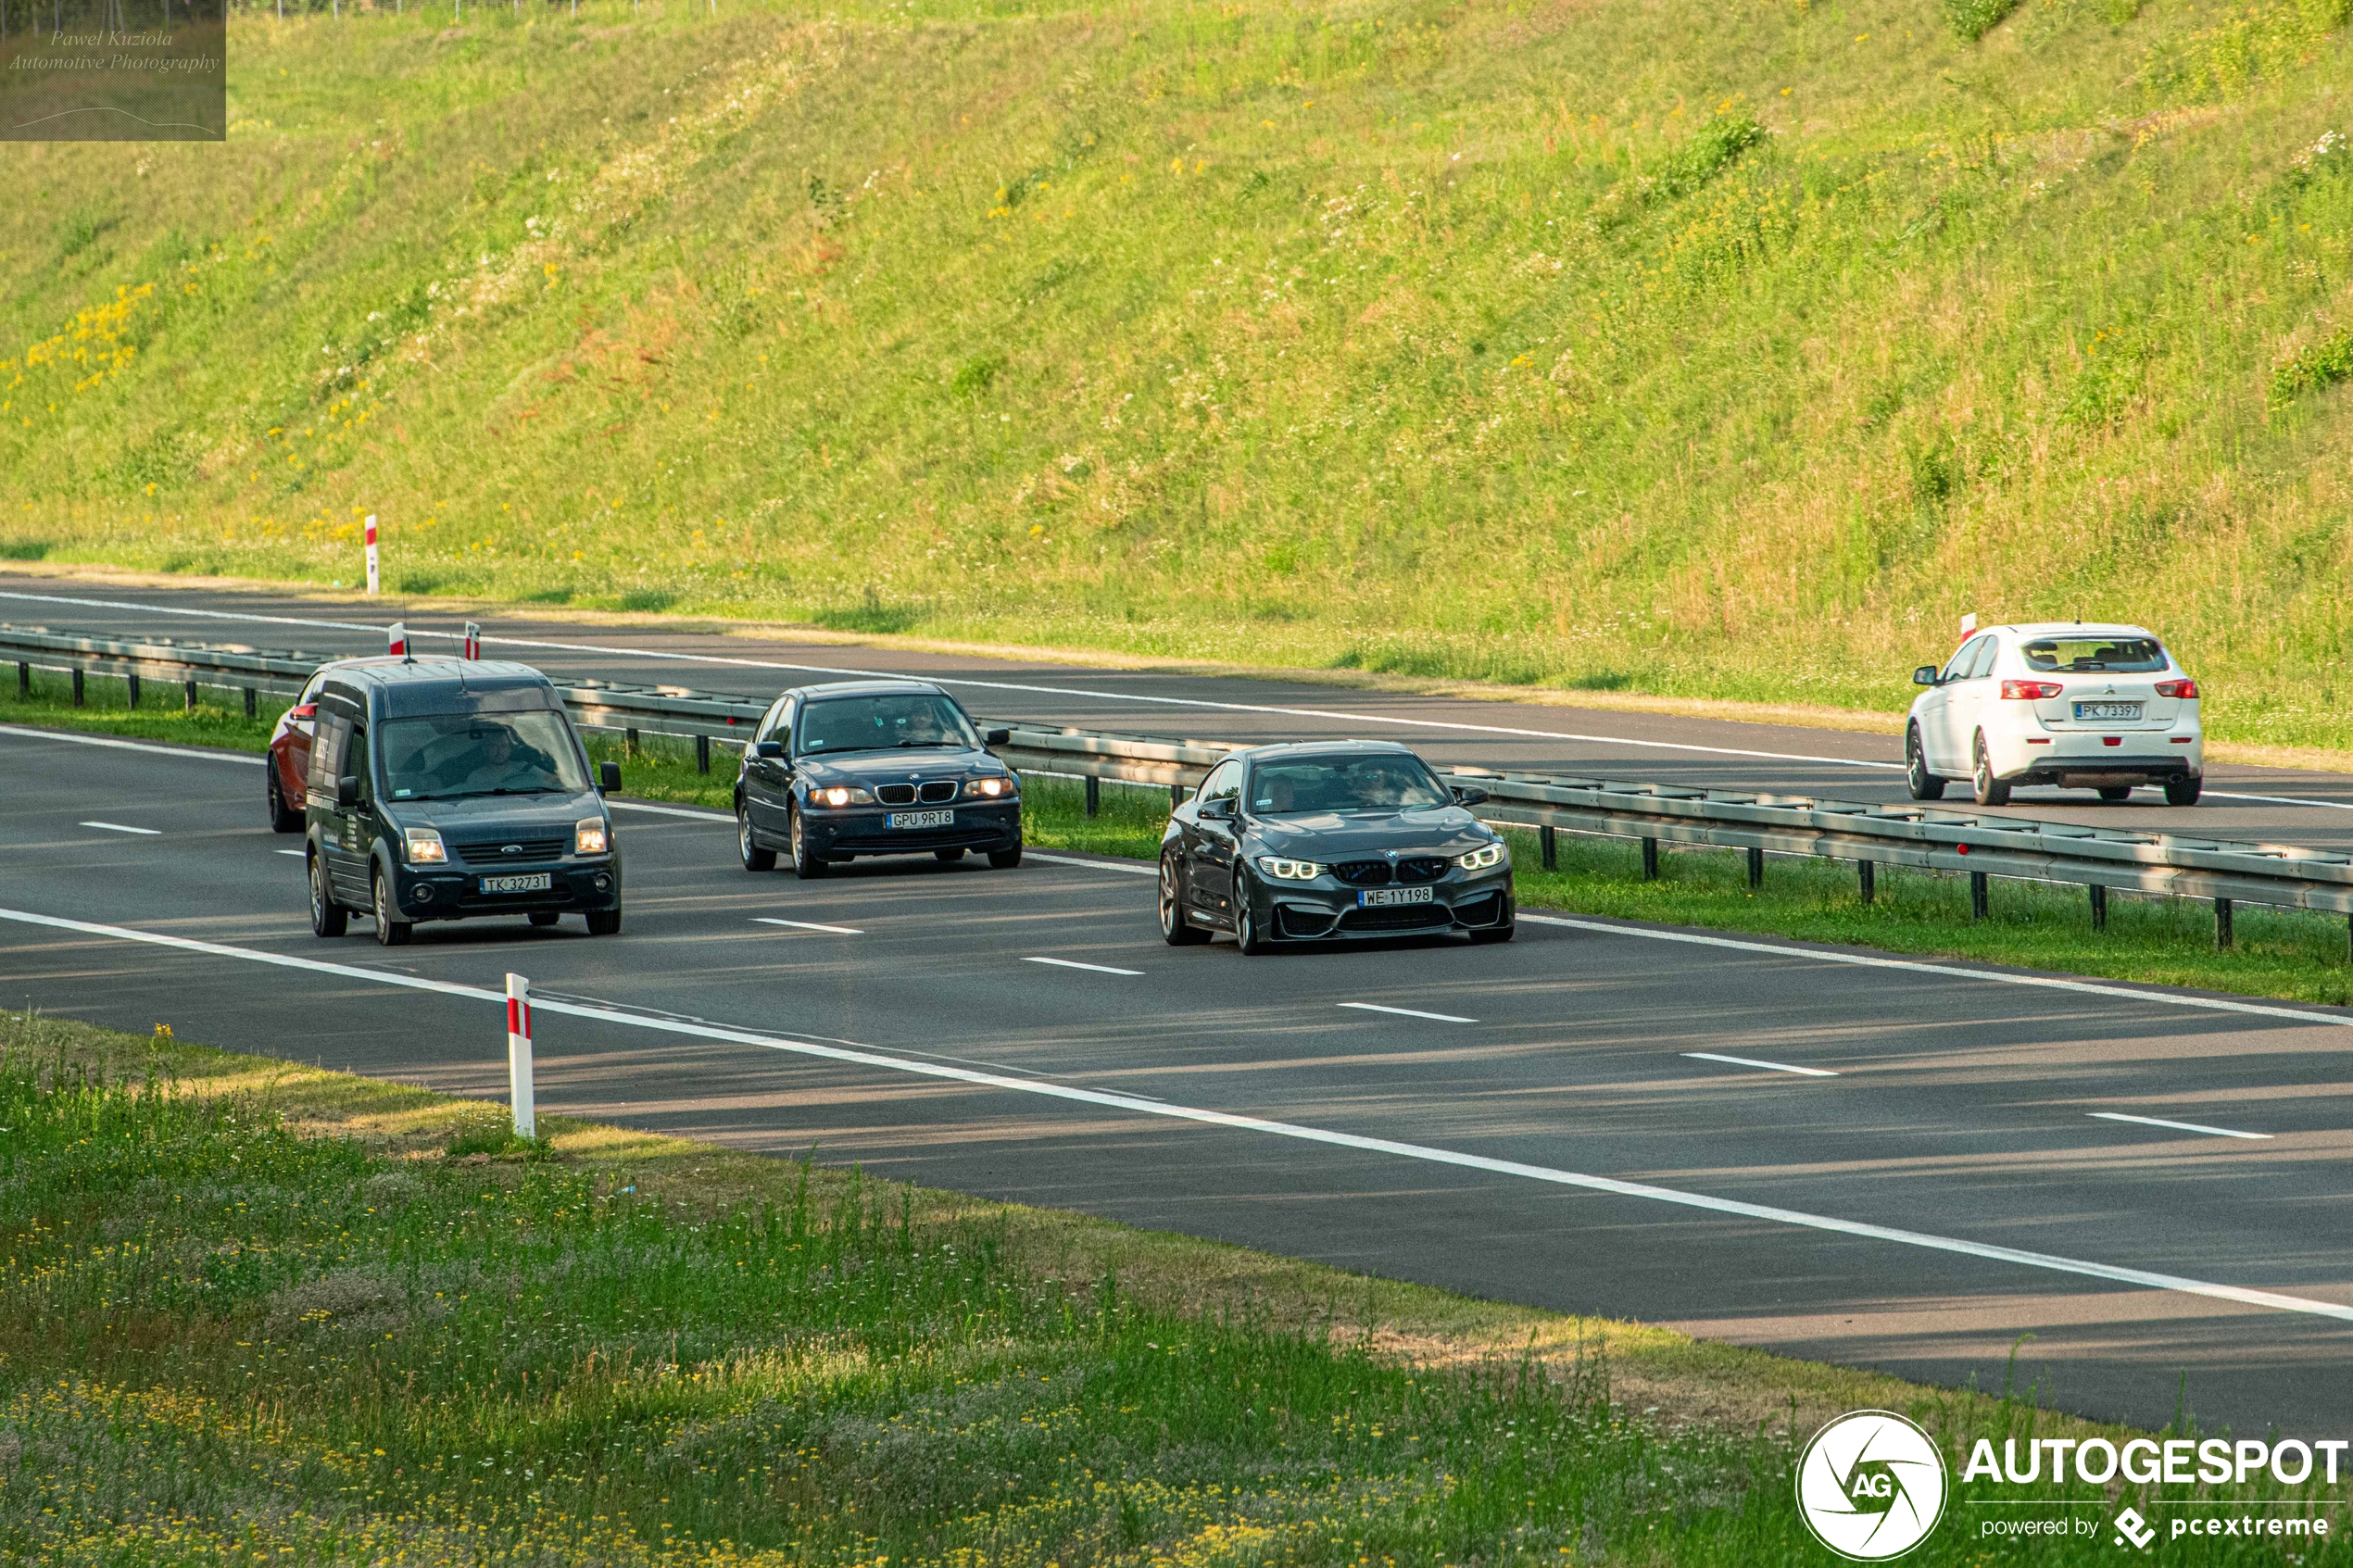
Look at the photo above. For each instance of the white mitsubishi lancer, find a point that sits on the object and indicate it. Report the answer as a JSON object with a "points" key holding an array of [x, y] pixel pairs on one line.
{"points": [[2102, 707]]}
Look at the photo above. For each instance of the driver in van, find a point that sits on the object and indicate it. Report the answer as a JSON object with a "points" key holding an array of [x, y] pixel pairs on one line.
{"points": [[498, 763]]}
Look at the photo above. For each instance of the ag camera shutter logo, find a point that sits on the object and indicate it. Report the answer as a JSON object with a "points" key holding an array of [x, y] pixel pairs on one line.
{"points": [[1871, 1485]]}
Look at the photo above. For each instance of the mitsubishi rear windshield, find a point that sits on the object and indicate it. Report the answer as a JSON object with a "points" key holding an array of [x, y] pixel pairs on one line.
{"points": [[454, 754], [2095, 656]]}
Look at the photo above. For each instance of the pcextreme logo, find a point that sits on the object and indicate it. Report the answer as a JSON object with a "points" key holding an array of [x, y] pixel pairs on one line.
{"points": [[1871, 1485]]}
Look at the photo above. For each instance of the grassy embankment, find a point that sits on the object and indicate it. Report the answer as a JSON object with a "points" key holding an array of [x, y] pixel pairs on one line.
{"points": [[253, 1312], [2292, 954], [1672, 347]]}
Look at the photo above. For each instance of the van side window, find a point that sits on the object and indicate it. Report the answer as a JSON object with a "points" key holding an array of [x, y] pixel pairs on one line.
{"points": [[356, 762], [328, 745]]}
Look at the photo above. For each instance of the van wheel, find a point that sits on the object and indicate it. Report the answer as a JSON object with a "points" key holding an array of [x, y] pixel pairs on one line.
{"points": [[2182, 792], [542, 917], [281, 820], [1923, 785], [604, 922], [391, 931], [327, 917], [806, 865], [1989, 790], [755, 858]]}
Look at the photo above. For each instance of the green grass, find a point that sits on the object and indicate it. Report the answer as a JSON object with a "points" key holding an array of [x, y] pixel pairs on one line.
{"points": [[226, 1337], [1678, 348]]}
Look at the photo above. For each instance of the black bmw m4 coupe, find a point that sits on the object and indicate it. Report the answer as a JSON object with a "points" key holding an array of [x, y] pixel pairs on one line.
{"points": [[1329, 842]]}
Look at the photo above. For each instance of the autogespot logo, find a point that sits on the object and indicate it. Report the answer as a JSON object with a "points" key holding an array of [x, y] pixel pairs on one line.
{"points": [[1871, 1485]]}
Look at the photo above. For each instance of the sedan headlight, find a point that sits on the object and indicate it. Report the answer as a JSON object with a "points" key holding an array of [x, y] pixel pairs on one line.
{"points": [[839, 794], [425, 847], [589, 836], [991, 789], [1480, 858], [1290, 871]]}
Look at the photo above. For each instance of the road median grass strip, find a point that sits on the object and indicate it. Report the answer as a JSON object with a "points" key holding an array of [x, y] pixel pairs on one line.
{"points": [[253, 1311]]}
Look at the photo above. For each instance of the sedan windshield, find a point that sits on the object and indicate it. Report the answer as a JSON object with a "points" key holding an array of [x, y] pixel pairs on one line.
{"points": [[880, 723], [454, 754], [1296, 785], [2086, 655]]}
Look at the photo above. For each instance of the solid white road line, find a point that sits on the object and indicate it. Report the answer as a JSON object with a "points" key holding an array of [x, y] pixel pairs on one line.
{"points": [[295, 853], [2086, 988], [2177, 1126], [1098, 968], [808, 925], [1091, 865], [202, 753], [1768, 1066], [2051, 1263], [670, 811], [963, 681], [118, 827], [1407, 1013]]}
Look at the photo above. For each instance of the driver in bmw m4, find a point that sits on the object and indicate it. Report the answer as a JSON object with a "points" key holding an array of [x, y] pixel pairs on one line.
{"points": [[1322, 841]]}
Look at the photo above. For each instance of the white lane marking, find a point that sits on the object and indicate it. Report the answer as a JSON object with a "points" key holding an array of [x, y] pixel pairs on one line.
{"points": [[1407, 1013], [1091, 865], [2280, 799], [295, 853], [1069, 963], [1768, 1066], [2177, 1126], [669, 810], [2052, 1262], [2086, 988], [205, 753], [977, 685], [808, 925], [118, 827]]}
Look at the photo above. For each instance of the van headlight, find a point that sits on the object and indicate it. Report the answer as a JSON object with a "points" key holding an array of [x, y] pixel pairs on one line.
{"points": [[991, 789], [839, 794], [1480, 858], [1290, 871], [590, 836], [425, 847]]}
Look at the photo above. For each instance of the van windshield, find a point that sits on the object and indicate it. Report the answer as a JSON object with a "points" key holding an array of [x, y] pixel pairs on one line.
{"points": [[2088, 655], [446, 755]]}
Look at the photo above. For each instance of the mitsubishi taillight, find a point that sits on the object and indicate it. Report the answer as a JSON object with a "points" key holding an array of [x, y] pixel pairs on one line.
{"points": [[2184, 689], [2028, 691]]}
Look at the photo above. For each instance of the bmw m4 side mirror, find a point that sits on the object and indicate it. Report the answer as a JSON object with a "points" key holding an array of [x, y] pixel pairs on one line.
{"points": [[608, 777], [1925, 675], [769, 748], [1469, 794], [997, 738], [1223, 810]]}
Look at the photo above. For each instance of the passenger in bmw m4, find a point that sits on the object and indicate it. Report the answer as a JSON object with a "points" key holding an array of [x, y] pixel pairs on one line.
{"points": [[863, 767], [1320, 842]]}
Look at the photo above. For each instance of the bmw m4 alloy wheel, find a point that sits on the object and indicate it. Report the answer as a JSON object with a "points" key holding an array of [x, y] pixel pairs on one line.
{"points": [[1175, 929], [1247, 934]]}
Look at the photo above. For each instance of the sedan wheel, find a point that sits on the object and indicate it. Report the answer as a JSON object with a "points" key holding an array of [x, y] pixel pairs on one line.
{"points": [[805, 865], [391, 931], [1989, 790], [327, 917], [1923, 785], [2182, 792], [1246, 929], [1175, 929], [755, 858], [281, 820]]}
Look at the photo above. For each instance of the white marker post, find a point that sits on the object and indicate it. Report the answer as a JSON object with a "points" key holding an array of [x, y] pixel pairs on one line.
{"points": [[1968, 624], [474, 639], [519, 1055], [396, 635], [373, 581]]}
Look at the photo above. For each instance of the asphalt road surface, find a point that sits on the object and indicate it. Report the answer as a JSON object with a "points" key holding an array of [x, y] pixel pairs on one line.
{"points": [[2264, 804], [1894, 1164]]}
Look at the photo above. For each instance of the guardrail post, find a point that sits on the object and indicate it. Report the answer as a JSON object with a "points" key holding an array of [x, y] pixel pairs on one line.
{"points": [[629, 743], [1176, 796], [77, 685], [24, 678], [702, 754], [248, 702], [2222, 925], [1094, 794], [2099, 907], [1548, 848], [1650, 860], [1977, 882], [1757, 868], [190, 705], [132, 681], [1867, 872]]}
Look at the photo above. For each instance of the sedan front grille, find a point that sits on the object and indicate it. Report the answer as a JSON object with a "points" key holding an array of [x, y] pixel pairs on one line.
{"points": [[895, 795], [1421, 869], [1363, 873], [937, 792], [527, 851]]}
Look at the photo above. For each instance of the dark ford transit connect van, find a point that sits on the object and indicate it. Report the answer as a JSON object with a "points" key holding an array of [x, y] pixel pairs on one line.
{"points": [[444, 788]]}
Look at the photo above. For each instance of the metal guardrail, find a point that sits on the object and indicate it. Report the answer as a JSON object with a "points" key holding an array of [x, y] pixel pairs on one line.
{"points": [[1980, 846]]}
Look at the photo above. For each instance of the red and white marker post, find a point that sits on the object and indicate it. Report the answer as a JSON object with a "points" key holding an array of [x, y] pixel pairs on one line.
{"points": [[519, 1055], [373, 580], [474, 639], [396, 635]]}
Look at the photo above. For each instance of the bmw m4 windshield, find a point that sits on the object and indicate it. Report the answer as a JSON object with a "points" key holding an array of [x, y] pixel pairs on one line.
{"points": [[453, 754], [1301, 786], [880, 723]]}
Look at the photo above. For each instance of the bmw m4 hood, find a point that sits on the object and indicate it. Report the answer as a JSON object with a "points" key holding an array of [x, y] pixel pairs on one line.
{"points": [[1337, 835], [872, 768]]}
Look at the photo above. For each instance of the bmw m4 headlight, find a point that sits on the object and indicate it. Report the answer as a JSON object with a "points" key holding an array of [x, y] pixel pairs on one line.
{"points": [[839, 794], [425, 847], [1290, 871], [589, 836], [1480, 858], [990, 789]]}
